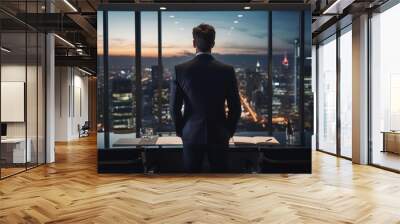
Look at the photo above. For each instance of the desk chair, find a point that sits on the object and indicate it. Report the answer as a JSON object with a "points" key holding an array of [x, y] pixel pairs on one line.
{"points": [[84, 130]]}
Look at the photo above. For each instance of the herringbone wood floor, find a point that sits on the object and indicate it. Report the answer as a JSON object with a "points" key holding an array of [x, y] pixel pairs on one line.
{"points": [[71, 191]]}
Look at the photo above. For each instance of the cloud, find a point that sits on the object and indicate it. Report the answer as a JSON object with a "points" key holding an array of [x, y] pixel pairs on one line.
{"points": [[187, 53], [242, 29], [260, 35]]}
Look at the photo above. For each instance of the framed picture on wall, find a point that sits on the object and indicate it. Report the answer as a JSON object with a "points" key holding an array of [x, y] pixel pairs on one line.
{"points": [[12, 101]]}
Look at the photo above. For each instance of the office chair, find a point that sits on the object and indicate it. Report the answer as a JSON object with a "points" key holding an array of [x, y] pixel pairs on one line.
{"points": [[84, 130]]}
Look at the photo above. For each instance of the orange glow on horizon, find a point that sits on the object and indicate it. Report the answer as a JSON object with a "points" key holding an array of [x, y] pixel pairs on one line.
{"points": [[169, 52], [148, 52]]}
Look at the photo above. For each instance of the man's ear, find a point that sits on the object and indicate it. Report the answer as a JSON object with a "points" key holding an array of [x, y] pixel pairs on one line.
{"points": [[213, 44], [194, 43]]}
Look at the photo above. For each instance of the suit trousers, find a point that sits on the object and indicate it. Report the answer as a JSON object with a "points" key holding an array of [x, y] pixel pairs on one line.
{"points": [[193, 157]]}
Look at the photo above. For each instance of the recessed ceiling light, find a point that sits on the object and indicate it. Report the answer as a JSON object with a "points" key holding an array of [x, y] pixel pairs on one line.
{"points": [[65, 41], [247, 8], [163, 8], [171, 16], [334, 6], [235, 21], [70, 5], [176, 22], [84, 71], [240, 15]]}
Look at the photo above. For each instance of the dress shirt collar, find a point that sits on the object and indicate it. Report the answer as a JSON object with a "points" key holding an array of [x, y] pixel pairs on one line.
{"points": [[200, 53]]}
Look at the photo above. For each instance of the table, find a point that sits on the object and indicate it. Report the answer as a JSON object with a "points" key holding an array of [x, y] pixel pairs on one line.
{"points": [[151, 143], [13, 150], [391, 141]]}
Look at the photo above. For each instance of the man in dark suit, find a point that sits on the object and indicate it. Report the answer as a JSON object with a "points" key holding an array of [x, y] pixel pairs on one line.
{"points": [[202, 86]]}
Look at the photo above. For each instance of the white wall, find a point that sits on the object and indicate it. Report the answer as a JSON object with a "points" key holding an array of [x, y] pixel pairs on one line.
{"points": [[12, 73], [71, 102], [80, 111], [33, 126], [62, 82], [17, 73]]}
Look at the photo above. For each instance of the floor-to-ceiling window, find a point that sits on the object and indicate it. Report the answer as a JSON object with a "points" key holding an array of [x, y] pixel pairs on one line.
{"points": [[265, 47], [121, 74], [385, 89], [272, 104], [309, 97], [100, 81], [345, 60], [314, 95], [285, 75], [151, 84], [334, 93], [327, 74]]}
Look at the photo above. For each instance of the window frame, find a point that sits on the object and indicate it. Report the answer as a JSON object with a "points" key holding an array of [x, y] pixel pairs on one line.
{"points": [[337, 32], [155, 7]]}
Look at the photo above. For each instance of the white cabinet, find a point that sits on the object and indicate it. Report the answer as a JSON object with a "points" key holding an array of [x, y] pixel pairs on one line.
{"points": [[19, 155]]}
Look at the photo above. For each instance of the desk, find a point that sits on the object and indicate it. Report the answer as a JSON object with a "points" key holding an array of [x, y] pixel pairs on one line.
{"points": [[145, 145], [177, 142], [391, 141], [13, 150]]}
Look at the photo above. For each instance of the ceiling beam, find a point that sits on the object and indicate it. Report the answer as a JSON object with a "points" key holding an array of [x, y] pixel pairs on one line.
{"points": [[90, 31], [81, 61]]}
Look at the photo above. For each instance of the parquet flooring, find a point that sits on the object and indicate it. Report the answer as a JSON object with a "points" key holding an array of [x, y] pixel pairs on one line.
{"points": [[71, 191], [10, 171]]}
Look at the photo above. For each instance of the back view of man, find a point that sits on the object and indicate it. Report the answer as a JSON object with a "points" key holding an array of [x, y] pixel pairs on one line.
{"points": [[202, 86]]}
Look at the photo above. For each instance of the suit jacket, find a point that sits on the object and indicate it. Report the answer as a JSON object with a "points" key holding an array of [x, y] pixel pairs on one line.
{"points": [[202, 86]]}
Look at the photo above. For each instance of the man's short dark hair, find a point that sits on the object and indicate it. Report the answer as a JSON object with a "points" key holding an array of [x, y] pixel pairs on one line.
{"points": [[204, 35]]}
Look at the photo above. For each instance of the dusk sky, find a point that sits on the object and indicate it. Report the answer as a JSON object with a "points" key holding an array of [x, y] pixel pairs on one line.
{"points": [[238, 32]]}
